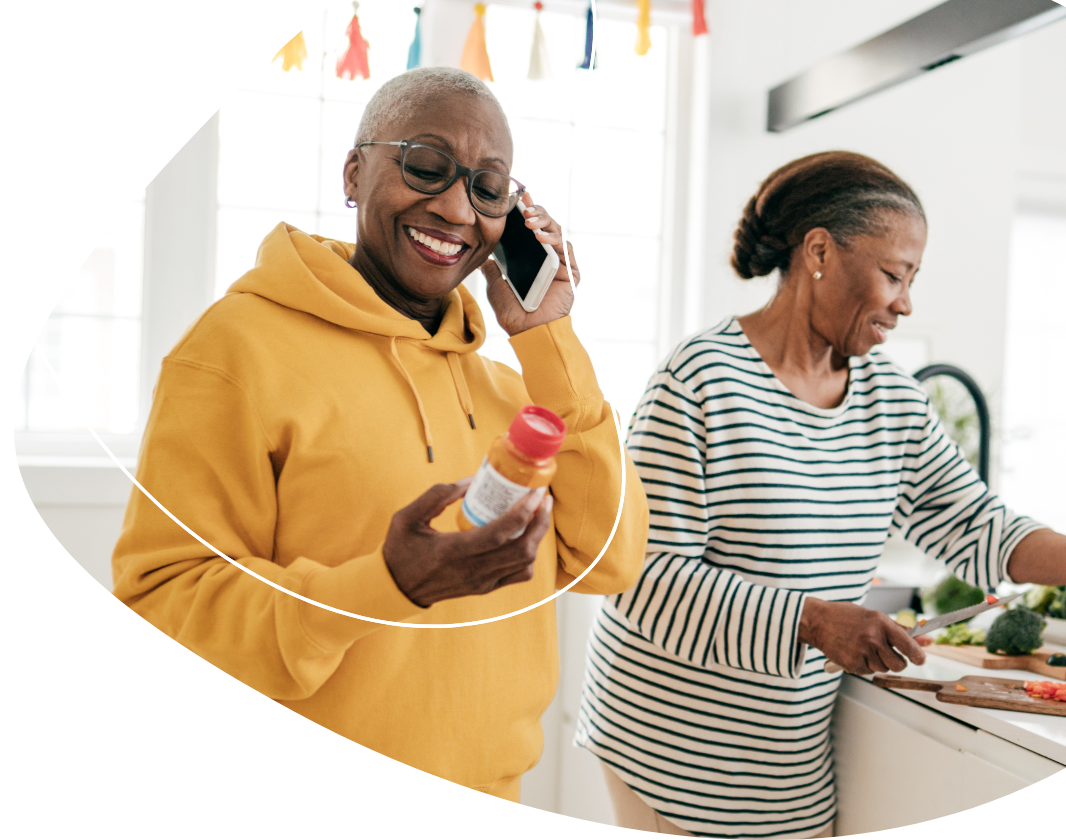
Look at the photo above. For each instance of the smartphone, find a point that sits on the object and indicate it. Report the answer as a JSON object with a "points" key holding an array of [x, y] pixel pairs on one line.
{"points": [[528, 265]]}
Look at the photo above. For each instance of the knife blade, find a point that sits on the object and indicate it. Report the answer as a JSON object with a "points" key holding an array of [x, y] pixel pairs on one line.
{"points": [[940, 621], [958, 615]]}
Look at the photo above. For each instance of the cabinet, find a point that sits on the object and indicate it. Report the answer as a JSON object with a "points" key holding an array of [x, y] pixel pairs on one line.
{"points": [[899, 762]]}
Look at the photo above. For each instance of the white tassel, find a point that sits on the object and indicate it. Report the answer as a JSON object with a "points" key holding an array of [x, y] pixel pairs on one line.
{"points": [[539, 63]]}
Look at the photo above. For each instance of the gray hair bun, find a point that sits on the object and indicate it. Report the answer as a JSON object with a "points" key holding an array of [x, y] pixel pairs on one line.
{"points": [[846, 193]]}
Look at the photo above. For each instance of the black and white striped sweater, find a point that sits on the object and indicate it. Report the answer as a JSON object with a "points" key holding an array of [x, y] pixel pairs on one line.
{"points": [[697, 691]]}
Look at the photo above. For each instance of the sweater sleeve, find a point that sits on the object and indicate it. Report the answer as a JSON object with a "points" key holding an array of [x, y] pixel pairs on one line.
{"points": [[587, 487], [206, 458], [683, 602], [949, 513]]}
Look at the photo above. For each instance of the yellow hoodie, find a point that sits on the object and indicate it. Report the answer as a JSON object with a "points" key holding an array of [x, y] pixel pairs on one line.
{"points": [[288, 425]]}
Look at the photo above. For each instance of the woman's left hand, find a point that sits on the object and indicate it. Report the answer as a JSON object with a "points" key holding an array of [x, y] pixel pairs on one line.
{"points": [[559, 297]]}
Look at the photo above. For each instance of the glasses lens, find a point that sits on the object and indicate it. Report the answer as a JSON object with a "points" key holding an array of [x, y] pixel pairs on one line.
{"points": [[494, 193], [427, 169]]}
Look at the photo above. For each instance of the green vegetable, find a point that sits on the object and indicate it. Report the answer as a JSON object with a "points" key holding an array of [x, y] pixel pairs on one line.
{"points": [[1057, 659], [952, 594], [1057, 609], [1047, 600], [1017, 632], [961, 634]]}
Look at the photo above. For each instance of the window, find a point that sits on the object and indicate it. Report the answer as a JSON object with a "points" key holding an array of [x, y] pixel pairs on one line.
{"points": [[591, 147], [1033, 454], [283, 136], [92, 340]]}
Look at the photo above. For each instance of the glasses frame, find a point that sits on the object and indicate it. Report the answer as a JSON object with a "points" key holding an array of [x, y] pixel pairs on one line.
{"points": [[460, 171]]}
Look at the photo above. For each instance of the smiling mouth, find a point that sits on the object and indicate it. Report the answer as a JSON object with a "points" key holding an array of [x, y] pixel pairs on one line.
{"points": [[883, 329], [443, 249]]}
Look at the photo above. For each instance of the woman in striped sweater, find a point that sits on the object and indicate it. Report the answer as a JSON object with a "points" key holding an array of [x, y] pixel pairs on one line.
{"points": [[778, 453]]}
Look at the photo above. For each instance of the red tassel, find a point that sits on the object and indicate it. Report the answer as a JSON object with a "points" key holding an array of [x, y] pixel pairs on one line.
{"points": [[354, 62], [699, 21]]}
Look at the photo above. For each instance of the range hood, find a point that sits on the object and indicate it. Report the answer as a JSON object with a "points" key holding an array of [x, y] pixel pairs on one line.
{"points": [[934, 38]]}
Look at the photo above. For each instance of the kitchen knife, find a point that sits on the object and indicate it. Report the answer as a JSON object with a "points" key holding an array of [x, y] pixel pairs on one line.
{"points": [[941, 621], [958, 615]]}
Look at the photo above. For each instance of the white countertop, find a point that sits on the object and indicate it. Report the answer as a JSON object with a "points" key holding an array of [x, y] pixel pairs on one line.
{"points": [[1042, 734]]}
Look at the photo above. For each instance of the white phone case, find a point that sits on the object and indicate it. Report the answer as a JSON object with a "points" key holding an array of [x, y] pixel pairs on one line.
{"points": [[543, 279]]}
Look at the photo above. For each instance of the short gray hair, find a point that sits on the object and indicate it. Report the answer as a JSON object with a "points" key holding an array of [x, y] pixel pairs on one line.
{"points": [[409, 91]]}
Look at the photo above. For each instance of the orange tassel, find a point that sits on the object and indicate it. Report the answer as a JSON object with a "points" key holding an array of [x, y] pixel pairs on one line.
{"points": [[293, 53], [354, 62], [475, 58], [699, 20], [643, 23]]}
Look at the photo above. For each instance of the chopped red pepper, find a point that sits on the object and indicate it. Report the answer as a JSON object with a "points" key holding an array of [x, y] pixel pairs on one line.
{"points": [[991, 599], [1046, 690]]}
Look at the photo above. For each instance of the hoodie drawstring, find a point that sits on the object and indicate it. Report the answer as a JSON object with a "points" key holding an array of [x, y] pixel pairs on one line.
{"points": [[460, 387], [418, 399], [461, 390]]}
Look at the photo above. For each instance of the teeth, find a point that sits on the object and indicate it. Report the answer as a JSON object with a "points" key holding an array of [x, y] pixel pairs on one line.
{"points": [[445, 249]]}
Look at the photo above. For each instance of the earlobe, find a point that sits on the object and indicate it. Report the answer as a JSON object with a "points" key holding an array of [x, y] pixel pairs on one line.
{"points": [[815, 248], [351, 173]]}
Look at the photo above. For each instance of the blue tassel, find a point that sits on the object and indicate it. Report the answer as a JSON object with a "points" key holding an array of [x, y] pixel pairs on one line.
{"points": [[414, 52], [590, 26]]}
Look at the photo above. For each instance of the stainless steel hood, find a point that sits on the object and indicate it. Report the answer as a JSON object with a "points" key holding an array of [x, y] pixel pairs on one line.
{"points": [[932, 39]]}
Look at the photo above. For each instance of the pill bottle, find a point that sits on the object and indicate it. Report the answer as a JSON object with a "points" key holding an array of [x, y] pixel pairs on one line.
{"points": [[519, 461]]}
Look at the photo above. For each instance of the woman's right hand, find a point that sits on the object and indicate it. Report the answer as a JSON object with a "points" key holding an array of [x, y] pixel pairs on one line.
{"points": [[858, 639], [430, 565]]}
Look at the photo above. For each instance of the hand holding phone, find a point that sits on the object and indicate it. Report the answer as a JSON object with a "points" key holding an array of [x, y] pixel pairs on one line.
{"points": [[528, 265]]}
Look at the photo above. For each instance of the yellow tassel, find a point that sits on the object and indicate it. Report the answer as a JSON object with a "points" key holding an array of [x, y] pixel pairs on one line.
{"points": [[643, 22], [475, 58], [293, 53]]}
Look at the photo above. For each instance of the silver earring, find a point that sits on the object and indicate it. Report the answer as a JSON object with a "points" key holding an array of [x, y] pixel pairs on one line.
{"points": [[817, 275], [349, 203]]}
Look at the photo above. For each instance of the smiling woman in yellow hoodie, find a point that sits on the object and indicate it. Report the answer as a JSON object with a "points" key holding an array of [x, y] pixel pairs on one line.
{"points": [[316, 424]]}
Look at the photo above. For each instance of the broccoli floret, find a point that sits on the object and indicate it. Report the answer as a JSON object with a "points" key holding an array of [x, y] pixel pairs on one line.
{"points": [[1057, 607], [1017, 632], [961, 633], [952, 594], [1039, 598]]}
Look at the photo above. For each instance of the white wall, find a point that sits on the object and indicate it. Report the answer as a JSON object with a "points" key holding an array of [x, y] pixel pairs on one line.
{"points": [[954, 134]]}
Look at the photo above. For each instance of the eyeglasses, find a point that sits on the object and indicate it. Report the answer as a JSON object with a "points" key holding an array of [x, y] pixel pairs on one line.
{"points": [[431, 171]]}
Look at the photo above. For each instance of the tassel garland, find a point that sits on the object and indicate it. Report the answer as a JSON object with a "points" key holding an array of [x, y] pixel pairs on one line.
{"points": [[354, 61], [475, 58], [699, 21], [589, 62], [293, 53], [643, 24], [414, 52], [539, 64]]}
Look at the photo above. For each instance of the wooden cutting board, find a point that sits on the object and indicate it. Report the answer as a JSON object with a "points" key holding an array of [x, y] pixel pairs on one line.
{"points": [[987, 692], [979, 657]]}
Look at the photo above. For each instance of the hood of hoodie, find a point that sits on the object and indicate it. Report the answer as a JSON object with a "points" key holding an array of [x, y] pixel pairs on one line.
{"points": [[312, 274]]}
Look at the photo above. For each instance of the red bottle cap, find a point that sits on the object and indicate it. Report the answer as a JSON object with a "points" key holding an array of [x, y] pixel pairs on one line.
{"points": [[537, 432]]}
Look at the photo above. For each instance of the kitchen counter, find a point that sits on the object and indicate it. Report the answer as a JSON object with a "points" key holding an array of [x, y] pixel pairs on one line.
{"points": [[882, 737], [1042, 734]]}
